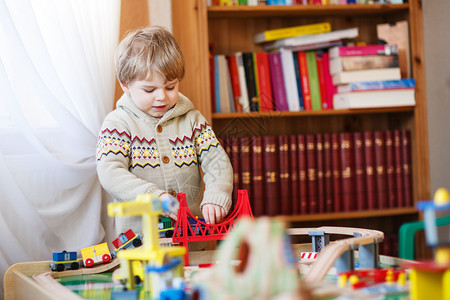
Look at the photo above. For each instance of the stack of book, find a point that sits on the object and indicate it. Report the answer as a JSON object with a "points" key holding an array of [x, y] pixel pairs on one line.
{"points": [[369, 76], [323, 173]]}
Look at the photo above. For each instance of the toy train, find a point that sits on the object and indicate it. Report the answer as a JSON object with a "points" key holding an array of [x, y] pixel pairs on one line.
{"points": [[127, 239], [165, 228], [65, 260]]}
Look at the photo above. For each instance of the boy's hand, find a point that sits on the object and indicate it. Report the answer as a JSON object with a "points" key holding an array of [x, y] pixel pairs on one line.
{"points": [[212, 213]]}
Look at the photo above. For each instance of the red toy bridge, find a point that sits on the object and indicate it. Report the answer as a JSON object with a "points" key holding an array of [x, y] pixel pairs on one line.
{"points": [[193, 230]]}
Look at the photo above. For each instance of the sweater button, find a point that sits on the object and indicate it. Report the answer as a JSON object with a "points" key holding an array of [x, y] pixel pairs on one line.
{"points": [[159, 128], [165, 159]]}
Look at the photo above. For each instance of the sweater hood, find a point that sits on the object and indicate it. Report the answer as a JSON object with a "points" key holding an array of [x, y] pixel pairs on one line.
{"points": [[183, 106]]}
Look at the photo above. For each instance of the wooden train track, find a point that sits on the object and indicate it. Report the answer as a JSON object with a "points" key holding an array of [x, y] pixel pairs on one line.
{"points": [[328, 256]]}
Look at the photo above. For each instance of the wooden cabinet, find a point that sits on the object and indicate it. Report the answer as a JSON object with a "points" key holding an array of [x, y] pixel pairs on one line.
{"points": [[231, 29]]}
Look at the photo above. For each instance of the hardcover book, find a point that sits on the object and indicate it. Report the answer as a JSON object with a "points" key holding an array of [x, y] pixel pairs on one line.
{"points": [[321, 70], [406, 162], [369, 154], [271, 175], [302, 173], [290, 81], [347, 171], [293, 166], [250, 79], [235, 162], [245, 165], [285, 184], [362, 62], [380, 169], [398, 167], [311, 164], [331, 89], [303, 66], [360, 171], [360, 86], [257, 175], [298, 79], [320, 174], [336, 168], [366, 75], [390, 169], [314, 87], [234, 77], [245, 103], [286, 32], [328, 172]]}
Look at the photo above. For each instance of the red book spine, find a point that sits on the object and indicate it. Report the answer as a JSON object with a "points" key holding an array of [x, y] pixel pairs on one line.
{"points": [[212, 77], [369, 154], [265, 96], [375, 49], [234, 78], [327, 172], [336, 168], [295, 186], [257, 163], [398, 168], [311, 164], [234, 146], [271, 175], [245, 165], [320, 174], [285, 185], [380, 169], [347, 171], [303, 66], [390, 169], [406, 162], [331, 89], [360, 171], [322, 80], [302, 173]]}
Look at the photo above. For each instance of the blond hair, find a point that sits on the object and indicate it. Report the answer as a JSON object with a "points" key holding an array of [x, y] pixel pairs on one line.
{"points": [[148, 50]]}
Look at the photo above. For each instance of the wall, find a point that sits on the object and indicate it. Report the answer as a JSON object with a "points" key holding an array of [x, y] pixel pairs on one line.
{"points": [[437, 63]]}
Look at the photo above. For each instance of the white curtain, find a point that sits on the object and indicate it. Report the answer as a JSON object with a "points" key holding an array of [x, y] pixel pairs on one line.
{"points": [[56, 86]]}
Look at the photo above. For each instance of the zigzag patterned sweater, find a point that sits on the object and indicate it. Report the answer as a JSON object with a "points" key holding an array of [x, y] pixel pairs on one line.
{"points": [[138, 154]]}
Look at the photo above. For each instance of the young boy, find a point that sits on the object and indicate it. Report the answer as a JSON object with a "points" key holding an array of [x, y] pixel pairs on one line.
{"points": [[155, 141]]}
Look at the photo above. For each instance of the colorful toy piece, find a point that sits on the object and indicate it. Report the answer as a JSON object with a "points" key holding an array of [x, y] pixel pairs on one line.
{"points": [[65, 260], [96, 254], [431, 279], [127, 239]]}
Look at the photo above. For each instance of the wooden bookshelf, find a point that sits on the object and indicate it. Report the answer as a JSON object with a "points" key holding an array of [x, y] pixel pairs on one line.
{"points": [[231, 29]]}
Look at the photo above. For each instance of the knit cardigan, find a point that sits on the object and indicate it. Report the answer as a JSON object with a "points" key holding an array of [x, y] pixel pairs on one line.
{"points": [[137, 154]]}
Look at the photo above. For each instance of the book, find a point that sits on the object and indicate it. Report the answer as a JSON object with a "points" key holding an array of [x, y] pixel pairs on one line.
{"points": [[311, 165], [271, 175], [303, 66], [234, 77], [327, 170], [290, 82], [285, 196], [330, 88], [298, 79], [398, 168], [245, 103], [390, 169], [321, 70], [336, 171], [320, 174], [366, 75], [293, 163], [362, 62], [376, 85], [250, 79], [360, 171], [380, 169], [314, 88], [334, 35], [376, 98], [235, 162], [265, 89], [397, 33], [406, 171], [257, 175], [225, 91], [381, 49], [212, 77], [347, 171], [216, 85], [245, 165], [258, 91], [369, 155], [277, 82], [286, 32], [314, 46], [302, 173]]}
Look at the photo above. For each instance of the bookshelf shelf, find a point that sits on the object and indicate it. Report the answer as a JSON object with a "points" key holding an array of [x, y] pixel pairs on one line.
{"points": [[283, 114], [231, 29]]}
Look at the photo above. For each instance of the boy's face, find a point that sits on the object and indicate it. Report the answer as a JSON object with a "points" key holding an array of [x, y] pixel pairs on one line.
{"points": [[153, 95]]}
